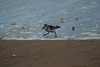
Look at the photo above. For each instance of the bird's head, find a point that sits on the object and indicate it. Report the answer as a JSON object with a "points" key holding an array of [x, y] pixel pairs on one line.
{"points": [[44, 26], [58, 26]]}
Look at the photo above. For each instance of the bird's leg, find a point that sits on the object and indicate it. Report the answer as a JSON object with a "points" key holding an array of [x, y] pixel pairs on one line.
{"points": [[46, 34], [55, 34]]}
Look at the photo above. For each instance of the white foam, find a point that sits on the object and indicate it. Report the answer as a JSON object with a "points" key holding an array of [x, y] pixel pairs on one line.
{"points": [[94, 2], [38, 25], [86, 38], [27, 32], [1, 26], [85, 7], [91, 34], [17, 26], [40, 21]]}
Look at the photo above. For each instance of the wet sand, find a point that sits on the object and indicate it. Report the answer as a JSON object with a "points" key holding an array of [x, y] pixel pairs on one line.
{"points": [[56, 53]]}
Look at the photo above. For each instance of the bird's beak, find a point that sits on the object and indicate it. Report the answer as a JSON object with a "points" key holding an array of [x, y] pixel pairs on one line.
{"points": [[42, 29]]}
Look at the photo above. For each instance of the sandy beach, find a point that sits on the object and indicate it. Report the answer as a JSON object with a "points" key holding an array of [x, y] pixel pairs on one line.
{"points": [[50, 53]]}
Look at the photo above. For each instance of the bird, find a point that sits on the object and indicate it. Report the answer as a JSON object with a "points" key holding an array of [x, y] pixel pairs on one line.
{"points": [[73, 28], [50, 29]]}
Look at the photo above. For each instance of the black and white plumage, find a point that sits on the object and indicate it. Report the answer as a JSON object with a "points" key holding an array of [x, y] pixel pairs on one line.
{"points": [[50, 29]]}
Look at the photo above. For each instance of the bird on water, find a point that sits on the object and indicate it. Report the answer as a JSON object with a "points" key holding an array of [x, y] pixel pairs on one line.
{"points": [[50, 29]]}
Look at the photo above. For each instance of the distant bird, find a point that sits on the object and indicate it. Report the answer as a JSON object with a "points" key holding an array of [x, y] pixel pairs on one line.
{"points": [[50, 29], [73, 28]]}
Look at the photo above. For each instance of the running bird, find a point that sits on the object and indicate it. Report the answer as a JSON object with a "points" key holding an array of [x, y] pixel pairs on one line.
{"points": [[50, 28]]}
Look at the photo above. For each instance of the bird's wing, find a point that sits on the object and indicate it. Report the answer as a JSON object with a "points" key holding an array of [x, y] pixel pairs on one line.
{"points": [[52, 27]]}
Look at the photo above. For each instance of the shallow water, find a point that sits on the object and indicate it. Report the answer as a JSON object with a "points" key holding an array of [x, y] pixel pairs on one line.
{"points": [[31, 15]]}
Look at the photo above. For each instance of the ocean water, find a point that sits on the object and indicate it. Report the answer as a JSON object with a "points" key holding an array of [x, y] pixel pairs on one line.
{"points": [[31, 15]]}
